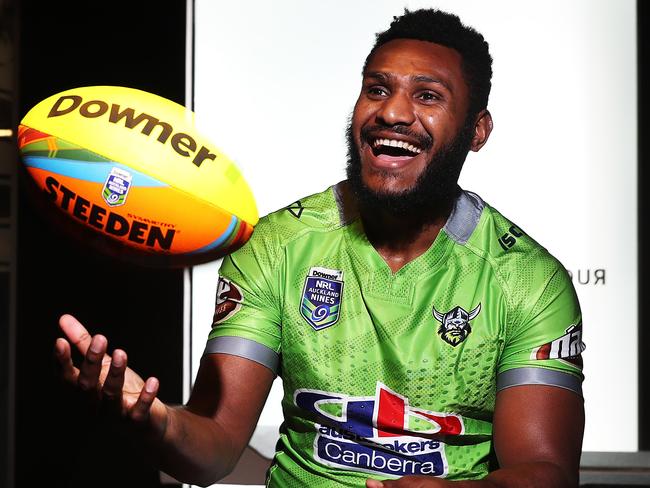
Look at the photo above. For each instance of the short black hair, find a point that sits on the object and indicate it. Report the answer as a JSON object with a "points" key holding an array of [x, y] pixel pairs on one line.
{"points": [[447, 30]]}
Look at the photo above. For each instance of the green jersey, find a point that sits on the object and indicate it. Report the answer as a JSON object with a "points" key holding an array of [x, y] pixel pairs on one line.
{"points": [[393, 374]]}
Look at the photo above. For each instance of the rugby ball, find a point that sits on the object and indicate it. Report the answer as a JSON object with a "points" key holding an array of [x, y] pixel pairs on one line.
{"points": [[131, 166]]}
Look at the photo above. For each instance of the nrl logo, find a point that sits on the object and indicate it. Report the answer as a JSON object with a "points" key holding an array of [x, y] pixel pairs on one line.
{"points": [[454, 325], [321, 297]]}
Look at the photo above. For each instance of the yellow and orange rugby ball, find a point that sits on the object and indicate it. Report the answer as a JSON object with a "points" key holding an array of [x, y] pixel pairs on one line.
{"points": [[131, 166]]}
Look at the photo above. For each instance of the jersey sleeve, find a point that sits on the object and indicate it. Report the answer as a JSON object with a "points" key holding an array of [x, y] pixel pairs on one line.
{"points": [[544, 338], [247, 319]]}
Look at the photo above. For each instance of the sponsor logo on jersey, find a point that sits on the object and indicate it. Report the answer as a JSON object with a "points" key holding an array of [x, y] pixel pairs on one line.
{"points": [[567, 347], [454, 325], [509, 239], [380, 434], [321, 297], [229, 300], [116, 187], [296, 209]]}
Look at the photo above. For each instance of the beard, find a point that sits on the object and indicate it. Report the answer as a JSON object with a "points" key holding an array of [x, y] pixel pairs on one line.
{"points": [[454, 337], [434, 191]]}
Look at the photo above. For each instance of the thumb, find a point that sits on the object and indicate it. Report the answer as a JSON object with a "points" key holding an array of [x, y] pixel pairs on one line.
{"points": [[75, 332], [370, 483]]}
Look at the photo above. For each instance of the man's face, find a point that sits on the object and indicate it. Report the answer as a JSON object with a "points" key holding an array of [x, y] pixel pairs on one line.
{"points": [[409, 123]]}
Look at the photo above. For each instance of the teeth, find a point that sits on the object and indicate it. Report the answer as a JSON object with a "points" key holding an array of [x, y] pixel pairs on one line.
{"points": [[395, 143]]}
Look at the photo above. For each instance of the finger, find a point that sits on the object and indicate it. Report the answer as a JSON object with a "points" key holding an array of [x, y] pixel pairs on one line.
{"points": [[64, 356], [140, 411], [76, 332], [92, 363], [114, 382], [370, 483]]}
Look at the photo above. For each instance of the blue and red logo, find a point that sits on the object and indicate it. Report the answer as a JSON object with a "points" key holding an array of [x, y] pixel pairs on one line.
{"points": [[382, 434]]}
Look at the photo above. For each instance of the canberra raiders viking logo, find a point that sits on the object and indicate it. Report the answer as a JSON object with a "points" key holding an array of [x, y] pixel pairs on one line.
{"points": [[454, 325]]}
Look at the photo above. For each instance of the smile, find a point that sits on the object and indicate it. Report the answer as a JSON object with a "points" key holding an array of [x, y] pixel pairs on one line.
{"points": [[393, 147], [387, 154]]}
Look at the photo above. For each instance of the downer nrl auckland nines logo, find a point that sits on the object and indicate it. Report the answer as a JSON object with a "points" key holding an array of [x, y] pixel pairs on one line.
{"points": [[321, 297], [116, 187], [380, 434]]}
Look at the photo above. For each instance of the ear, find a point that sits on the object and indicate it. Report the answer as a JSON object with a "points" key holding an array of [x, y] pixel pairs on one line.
{"points": [[482, 129]]}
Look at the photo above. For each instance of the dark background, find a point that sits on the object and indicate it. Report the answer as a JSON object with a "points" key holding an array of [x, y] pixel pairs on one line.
{"points": [[140, 45], [64, 45]]}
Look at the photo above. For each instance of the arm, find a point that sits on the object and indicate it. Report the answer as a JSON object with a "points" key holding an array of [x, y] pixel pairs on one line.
{"points": [[537, 438], [197, 443], [204, 439]]}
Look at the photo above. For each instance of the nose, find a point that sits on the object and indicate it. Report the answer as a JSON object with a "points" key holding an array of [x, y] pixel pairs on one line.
{"points": [[396, 110]]}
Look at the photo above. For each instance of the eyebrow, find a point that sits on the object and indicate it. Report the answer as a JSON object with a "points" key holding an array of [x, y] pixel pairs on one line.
{"points": [[381, 76]]}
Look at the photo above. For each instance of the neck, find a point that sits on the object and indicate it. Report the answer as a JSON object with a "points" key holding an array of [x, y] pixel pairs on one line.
{"points": [[398, 239]]}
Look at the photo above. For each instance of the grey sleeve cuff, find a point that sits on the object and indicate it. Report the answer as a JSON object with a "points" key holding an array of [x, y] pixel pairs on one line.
{"points": [[245, 348], [539, 376]]}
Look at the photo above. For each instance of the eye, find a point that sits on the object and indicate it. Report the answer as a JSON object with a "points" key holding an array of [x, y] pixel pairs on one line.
{"points": [[376, 91], [428, 96]]}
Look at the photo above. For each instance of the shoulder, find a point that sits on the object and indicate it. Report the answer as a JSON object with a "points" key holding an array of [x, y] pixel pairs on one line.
{"points": [[520, 263], [311, 213], [314, 213]]}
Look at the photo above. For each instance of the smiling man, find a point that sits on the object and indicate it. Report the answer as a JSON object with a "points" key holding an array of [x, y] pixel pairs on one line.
{"points": [[423, 339]]}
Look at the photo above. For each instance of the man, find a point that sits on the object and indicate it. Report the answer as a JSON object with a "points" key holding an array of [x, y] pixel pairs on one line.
{"points": [[423, 339]]}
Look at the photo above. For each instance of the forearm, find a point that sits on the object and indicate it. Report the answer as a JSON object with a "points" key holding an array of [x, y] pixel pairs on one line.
{"points": [[529, 475], [195, 449]]}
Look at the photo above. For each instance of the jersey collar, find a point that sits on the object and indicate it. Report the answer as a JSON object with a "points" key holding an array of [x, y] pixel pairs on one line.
{"points": [[460, 224]]}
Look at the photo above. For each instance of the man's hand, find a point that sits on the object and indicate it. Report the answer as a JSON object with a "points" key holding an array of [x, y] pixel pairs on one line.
{"points": [[198, 443], [107, 380], [411, 482]]}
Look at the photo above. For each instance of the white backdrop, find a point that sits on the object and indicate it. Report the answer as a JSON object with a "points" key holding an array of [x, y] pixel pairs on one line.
{"points": [[275, 81]]}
